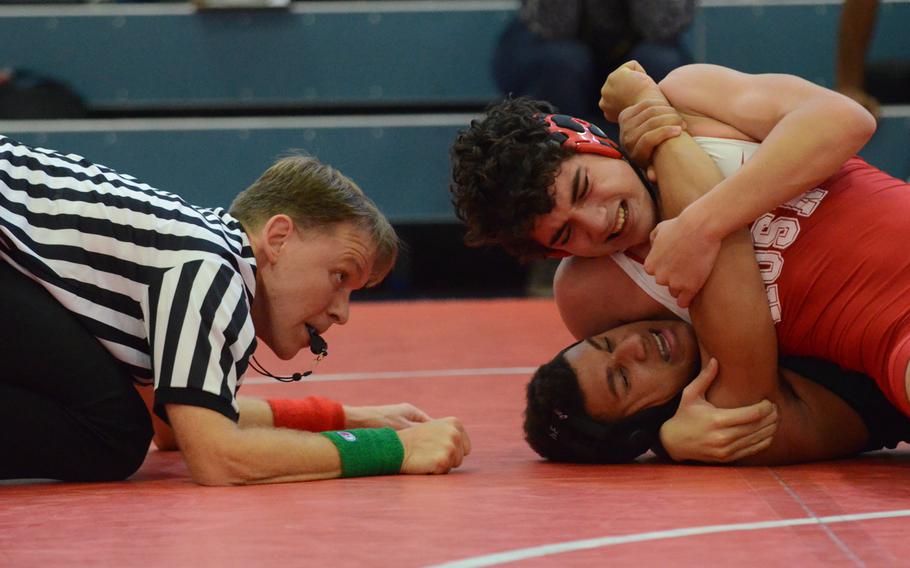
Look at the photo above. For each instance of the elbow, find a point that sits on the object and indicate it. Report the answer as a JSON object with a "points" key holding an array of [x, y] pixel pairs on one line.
{"points": [[214, 449], [211, 473], [216, 467], [856, 123], [862, 122], [867, 125], [210, 480]]}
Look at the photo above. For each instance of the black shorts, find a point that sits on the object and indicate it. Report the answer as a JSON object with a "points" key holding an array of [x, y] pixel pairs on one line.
{"points": [[68, 410], [887, 425]]}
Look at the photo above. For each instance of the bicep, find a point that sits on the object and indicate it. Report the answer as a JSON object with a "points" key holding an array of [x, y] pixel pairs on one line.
{"points": [[733, 322], [752, 104], [815, 424], [200, 329]]}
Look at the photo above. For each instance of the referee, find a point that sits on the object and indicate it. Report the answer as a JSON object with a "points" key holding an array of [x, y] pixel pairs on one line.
{"points": [[118, 298]]}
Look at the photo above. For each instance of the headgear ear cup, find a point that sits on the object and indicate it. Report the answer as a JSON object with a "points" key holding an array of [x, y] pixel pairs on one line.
{"points": [[580, 135]]}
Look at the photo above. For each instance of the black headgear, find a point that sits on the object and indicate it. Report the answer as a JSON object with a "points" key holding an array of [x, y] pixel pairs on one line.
{"points": [[558, 428], [582, 439]]}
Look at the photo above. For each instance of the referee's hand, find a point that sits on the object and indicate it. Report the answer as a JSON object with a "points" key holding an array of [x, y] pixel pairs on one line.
{"points": [[396, 416], [436, 446]]}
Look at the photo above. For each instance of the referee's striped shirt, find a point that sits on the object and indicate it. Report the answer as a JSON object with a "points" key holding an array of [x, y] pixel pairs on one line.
{"points": [[165, 286]]}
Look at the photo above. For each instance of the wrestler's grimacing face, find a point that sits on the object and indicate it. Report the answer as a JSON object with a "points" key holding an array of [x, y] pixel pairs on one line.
{"points": [[634, 366], [600, 207]]}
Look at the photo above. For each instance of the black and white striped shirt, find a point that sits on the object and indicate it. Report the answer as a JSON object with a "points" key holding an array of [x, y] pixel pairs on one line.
{"points": [[165, 286]]}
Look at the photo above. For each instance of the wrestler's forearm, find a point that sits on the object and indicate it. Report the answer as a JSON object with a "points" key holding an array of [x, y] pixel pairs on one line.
{"points": [[730, 314], [684, 172], [733, 323]]}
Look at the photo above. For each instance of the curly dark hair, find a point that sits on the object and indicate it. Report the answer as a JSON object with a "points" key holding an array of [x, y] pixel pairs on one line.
{"points": [[502, 169], [558, 427]]}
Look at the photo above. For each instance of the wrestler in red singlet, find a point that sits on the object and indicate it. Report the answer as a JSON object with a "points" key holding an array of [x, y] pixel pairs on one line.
{"points": [[838, 276]]}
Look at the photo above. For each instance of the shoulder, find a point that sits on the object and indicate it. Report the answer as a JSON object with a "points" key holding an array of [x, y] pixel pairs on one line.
{"points": [[208, 280], [594, 294]]}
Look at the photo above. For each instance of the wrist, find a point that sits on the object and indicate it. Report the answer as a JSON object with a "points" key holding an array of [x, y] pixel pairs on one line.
{"points": [[368, 451], [350, 417], [700, 219], [312, 414], [652, 93], [355, 417], [663, 447]]}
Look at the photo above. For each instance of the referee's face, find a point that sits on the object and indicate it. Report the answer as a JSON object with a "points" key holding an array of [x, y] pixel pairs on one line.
{"points": [[305, 277]]}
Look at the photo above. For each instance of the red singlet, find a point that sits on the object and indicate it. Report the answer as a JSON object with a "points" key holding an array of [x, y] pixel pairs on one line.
{"points": [[838, 274]]}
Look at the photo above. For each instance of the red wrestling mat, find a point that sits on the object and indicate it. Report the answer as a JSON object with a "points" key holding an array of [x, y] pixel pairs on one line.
{"points": [[468, 359]]}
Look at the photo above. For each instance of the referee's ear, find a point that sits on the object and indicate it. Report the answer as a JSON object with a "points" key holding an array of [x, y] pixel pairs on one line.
{"points": [[274, 235]]}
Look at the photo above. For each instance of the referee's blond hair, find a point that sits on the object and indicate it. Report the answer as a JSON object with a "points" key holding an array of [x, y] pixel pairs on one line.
{"points": [[316, 195]]}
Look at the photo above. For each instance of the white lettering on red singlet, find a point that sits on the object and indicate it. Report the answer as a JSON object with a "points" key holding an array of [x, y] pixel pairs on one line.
{"points": [[773, 302], [807, 203], [772, 234]]}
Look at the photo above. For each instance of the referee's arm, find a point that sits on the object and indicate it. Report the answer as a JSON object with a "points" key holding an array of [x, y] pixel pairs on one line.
{"points": [[218, 452]]}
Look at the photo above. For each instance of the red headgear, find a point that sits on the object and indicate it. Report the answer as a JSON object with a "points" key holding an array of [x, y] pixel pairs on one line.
{"points": [[580, 135]]}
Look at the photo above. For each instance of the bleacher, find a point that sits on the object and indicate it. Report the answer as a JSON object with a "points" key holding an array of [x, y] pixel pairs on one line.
{"points": [[394, 70], [376, 88]]}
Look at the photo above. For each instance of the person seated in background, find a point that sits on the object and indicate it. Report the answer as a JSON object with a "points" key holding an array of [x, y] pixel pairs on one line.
{"points": [[855, 30], [560, 50]]}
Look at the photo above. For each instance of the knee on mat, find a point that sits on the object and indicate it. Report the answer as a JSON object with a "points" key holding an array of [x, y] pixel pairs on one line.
{"points": [[123, 452]]}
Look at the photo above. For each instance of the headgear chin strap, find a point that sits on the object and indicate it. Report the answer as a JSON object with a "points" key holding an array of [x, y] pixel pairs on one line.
{"points": [[580, 135]]}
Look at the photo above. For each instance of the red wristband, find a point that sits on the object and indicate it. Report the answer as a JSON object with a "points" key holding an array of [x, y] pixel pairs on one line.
{"points": [[313, 414]]}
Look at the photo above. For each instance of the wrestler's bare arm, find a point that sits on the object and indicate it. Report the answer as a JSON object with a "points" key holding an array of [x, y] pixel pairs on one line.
{"points": [[734, 325], [806, 132]]}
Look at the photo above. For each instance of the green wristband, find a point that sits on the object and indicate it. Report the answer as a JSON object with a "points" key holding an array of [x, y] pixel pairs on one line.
{"points": [[368, 451]]}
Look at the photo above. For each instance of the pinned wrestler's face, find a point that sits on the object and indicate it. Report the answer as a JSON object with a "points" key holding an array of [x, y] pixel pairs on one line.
{"points": [[600, 207], [634, 366], [305, 277]]}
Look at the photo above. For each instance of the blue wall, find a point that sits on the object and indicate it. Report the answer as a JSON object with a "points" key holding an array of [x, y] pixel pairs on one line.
{"points": [[366, 56]]}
